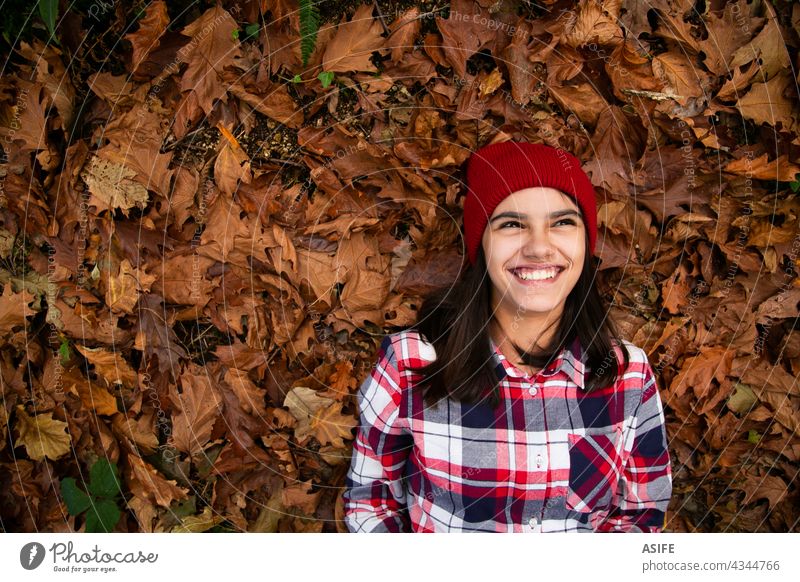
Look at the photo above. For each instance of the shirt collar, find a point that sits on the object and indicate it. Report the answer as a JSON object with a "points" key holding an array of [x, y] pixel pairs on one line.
{"points": [[569, 361]]}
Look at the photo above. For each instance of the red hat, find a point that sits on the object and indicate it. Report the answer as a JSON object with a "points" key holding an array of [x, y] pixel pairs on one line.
{"points": [[500, 169]]}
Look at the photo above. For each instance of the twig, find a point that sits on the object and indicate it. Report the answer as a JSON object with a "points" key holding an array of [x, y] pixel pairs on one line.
{"points": [[380, 15]]}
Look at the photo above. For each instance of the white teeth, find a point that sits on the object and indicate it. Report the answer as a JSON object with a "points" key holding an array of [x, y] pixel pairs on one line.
{"points": [[537, 275]]}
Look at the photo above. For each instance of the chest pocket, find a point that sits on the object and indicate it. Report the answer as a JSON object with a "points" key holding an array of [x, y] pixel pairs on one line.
{"points": [[595, 464]]}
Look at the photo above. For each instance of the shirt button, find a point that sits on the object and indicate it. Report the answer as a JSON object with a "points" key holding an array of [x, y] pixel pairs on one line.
{"points": [[532, 390], [533, 522], [539, 461]]}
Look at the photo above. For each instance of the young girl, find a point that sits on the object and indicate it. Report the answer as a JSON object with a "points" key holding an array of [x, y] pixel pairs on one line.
{"points": [[512, 405]]}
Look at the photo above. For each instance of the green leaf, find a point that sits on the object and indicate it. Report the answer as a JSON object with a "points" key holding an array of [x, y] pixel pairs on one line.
{"points": [[326, 77], [102, 517], [309, 25], [297, 79], [77, 501], [235, 34], [752, 437], [252, 29], [63, 351], [48, 10], [103, 479]]}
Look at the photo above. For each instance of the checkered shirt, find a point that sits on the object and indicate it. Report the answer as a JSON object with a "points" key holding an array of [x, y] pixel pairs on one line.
{"points": [[550, 458]]}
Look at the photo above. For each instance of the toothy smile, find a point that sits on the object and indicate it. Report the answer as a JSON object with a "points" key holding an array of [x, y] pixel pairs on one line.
{"points": [[537, 274]]}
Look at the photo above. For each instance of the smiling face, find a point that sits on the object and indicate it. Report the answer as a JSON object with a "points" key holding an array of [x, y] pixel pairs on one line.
{"points": [[535, 247]]}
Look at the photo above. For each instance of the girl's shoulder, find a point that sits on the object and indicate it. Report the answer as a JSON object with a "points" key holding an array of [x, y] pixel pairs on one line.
{"points": [[411, 348], [636, 355], [638, 371]]}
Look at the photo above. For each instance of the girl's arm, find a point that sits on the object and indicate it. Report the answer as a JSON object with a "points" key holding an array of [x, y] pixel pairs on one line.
{"points": [[374, 496], [645, 486]]}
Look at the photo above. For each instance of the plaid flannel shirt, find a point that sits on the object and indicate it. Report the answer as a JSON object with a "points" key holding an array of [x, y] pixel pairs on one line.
{"points": [[550, 458]]}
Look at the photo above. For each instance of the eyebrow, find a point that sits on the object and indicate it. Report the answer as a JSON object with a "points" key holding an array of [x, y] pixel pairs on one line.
{"points": [[556, 214]]}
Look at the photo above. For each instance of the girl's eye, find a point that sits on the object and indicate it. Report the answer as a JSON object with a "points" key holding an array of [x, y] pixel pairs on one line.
{"points": [[510, 222], [566, 220]]}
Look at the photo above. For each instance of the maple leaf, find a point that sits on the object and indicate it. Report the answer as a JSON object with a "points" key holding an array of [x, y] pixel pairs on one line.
{"points": [[95, 397], [212, 47], [30, 121], [304, 403], [111, 186], [698, 371], [341, 381], [14, 308], [330, 425], [354, 43], [198, 407], [124, 288], [769, 487], [111, 366], [464, 34], [151, 27], [403, 32], [155, 336], [299, 495], [42, 435], [147, 483], [767, 103]]}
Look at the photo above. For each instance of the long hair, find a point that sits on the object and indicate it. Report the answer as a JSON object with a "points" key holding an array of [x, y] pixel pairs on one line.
{"points": [[455, 321]]}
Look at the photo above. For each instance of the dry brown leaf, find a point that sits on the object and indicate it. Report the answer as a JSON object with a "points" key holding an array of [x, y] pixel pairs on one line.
{"points": [[3, 426], [768, 103], [596, 24], [251, 397], [352, 47], [111, 186], [403, 32], [151, 27], [42, 435], [331, 426], [14, 308], [96, 397], [298, 495], [778, 170], [211, 48], [769, 487], [197, 407], [581, 99], [142, 431], [204, 521], [111, 366], [147, 483], [698, 371], [304, 403]]}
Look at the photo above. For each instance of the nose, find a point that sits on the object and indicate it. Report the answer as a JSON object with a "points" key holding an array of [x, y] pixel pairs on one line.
{"points": [[537, 242]]}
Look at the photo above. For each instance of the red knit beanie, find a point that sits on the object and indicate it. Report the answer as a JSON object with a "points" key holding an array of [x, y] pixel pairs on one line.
{"points": [[500, 169]]}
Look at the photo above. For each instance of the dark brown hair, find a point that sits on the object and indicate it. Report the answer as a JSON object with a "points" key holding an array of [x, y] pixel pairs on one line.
{"points": [[455, 320]]}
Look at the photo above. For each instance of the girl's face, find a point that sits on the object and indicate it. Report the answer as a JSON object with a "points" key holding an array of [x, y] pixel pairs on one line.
{"points": [[535, 246]]}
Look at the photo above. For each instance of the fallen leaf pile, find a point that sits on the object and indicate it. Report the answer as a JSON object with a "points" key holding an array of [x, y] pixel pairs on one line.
{"points": [[202, 242]]}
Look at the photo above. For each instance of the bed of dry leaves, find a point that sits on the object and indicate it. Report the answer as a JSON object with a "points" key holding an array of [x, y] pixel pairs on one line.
{"points": [[200, 253]]}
